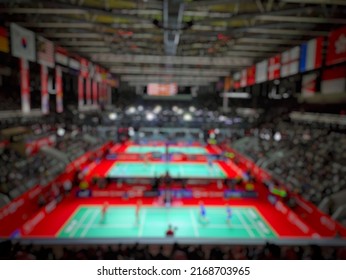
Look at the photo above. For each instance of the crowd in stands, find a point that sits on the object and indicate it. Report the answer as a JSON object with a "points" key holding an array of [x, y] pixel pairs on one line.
{"points": [[308, 158], [9, 250]]}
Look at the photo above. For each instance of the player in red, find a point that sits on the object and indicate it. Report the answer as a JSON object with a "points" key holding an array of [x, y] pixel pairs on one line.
{"points": [[138, 210], [104, 209], [171, 231]]}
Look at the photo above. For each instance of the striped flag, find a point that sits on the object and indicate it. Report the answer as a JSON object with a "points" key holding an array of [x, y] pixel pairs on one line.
{"points": [[45, 52], [334, 80], [23, 43], [274, 67], [236, 80], [309, 84], [311, 55], [4, 44], [243, 78]]}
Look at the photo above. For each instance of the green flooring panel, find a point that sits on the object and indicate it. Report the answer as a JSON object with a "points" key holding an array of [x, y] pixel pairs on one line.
{"points": [[157, 169], [120, 222], [162, 149]]}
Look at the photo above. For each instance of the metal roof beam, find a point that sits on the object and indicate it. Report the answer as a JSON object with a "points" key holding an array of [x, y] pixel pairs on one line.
{"points": [[316, 20], [168, 71], [173, 60], [317, 2]]}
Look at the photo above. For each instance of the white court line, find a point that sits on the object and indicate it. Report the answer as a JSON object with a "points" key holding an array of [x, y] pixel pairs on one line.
{"points": [[80, 223], [253, 214], [89, 225], [249, 231], [142, 221], [194, 224], [259, 230]]}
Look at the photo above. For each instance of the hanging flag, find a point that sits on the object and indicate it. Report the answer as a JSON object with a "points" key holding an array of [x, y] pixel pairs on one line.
{"points": [[334, 80], [251, 75], [95, 93], [227, 84], [261, 71], [84, 67], [236, 80], [243, 78], [25, 85], [290, 62], [80, 91], [45, 52], [309, 82], [59, 90], [22, 42], [88, 91], [274, 67], [4, 44], [311, 55], [44, 90], [61, 56], [336, 46]]}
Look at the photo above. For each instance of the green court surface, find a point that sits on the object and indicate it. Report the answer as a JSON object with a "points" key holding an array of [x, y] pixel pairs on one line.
{"points": [[162, 149], [120, 222], [157, 169]]}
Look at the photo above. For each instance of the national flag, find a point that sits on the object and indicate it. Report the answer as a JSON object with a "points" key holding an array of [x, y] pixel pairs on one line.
{"points": [[334, 80], [290, 62], [74, 63], [61, 56], [337, 46], [227, 84], [309, 84], [236, 80], [25, 85], [88, 91], [45, 52], [251, 75], [243, 79], [261, 71], [84, 68], [95, 91], [59, 90], [80, 91], [274, 67], [311, 55], [22, 43], [4, 43], [44, 90]]}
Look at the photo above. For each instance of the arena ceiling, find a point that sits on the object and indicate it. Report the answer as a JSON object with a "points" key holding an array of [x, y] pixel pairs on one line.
{"points": [[189, 42]]}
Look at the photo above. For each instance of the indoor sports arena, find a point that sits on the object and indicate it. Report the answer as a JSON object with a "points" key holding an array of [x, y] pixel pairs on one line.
{"points": [[172, 129]]}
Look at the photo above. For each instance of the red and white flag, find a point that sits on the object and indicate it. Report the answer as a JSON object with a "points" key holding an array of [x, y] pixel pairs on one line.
{"points": [[274, 67], [309, 84], [25, 85], [236, 80], [243, 78], [290, 62], [61, 56], [334, 80], [44, 90], [337, 46], [95, 91], [88, 91]]}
